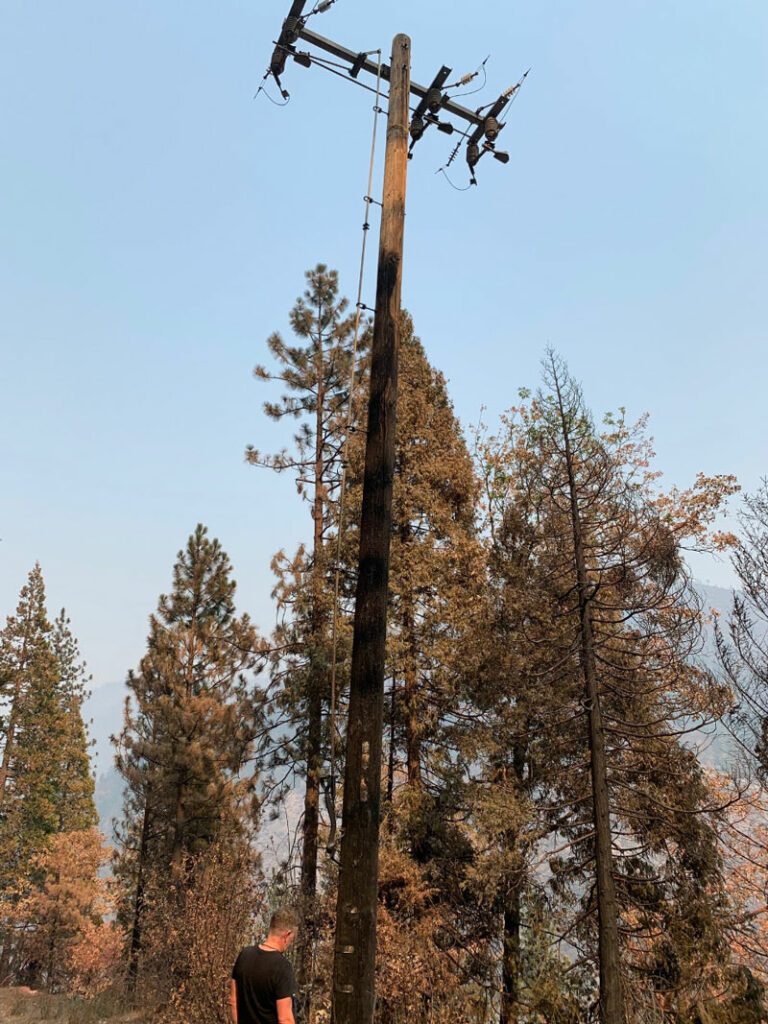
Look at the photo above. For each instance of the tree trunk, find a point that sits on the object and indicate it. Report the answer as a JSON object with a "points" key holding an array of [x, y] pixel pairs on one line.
{"points": [[611, 1004], [391, 758], [179, 827], [315, 679], [611, 1000], [50, 969], [309, 843], [410, 681], [510, 963], [138, 905]]}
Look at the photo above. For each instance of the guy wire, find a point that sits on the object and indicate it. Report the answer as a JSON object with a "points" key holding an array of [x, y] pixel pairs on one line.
{"points": [[347, 427]]}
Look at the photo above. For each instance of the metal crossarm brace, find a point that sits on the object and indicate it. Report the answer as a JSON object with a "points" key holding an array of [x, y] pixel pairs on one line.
{"points": [[337, 50]]}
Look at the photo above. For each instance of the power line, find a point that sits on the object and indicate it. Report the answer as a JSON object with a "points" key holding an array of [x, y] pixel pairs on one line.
{"points": [[484, 128]]}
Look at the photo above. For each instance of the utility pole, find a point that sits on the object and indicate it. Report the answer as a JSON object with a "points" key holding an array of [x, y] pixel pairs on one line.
{"points": [[354, 965], [355, 941]]}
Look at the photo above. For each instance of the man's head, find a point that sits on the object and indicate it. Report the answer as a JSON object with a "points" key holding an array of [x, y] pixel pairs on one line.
{"points": [[283, 926]]}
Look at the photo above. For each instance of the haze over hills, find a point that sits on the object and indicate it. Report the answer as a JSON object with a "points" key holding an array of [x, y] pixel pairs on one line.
{"points": [[104, 712], [720, 601], [719, 598]]}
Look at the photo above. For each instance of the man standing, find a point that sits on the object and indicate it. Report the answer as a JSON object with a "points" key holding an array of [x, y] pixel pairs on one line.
{"points": [[262, 986]]}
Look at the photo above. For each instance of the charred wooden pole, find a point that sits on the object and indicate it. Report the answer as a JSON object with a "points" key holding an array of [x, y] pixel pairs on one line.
{"points": [[355, 945]]}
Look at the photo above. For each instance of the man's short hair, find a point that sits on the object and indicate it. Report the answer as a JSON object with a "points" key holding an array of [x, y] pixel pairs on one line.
{"points": [[284, 919]]}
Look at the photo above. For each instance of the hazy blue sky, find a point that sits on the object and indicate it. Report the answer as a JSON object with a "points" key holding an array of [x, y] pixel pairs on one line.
{"points": [[156, 221]]}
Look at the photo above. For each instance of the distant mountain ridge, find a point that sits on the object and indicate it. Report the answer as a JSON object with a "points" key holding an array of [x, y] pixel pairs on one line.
{"points": [[103, 711], [720, 599]]}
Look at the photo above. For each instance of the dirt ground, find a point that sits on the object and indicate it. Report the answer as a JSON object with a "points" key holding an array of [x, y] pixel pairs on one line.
{"points": [[20, 1006]]}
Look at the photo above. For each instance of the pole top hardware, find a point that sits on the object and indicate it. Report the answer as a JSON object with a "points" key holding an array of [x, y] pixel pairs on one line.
{"points": [[482, 125]]}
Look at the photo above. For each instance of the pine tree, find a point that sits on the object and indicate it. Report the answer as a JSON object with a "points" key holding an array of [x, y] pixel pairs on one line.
{"points": [[45, 782], [436, 562], [436, 569], [77, 810], [26, 657], [436, 575], [515, 738], [618, 624], [316, 374], [190, 725], [436, 559], [68, 904]]}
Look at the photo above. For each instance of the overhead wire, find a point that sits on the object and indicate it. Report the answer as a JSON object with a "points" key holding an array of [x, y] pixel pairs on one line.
{"points": [[341, 70], [511, 94], [263, 88], [456, 188], [472, 92], [277, 103], [328, 66]]}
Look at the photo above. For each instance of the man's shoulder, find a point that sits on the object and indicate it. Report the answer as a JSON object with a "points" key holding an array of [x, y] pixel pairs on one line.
{"points": [[246, 955], [251, 954]]}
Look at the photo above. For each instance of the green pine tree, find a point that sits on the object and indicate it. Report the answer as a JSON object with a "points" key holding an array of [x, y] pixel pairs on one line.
{"points": [[77, 810], [316, 375], [190, 723], [45, 782]]}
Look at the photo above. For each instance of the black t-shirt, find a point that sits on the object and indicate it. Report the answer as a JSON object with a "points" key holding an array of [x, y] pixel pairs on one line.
{"points": [[262, 976]]}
